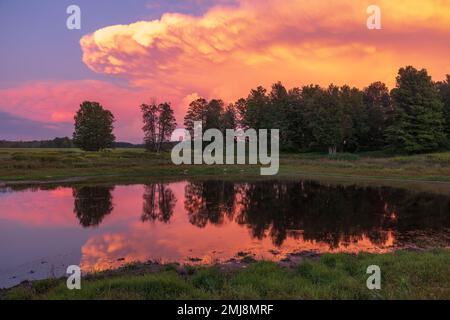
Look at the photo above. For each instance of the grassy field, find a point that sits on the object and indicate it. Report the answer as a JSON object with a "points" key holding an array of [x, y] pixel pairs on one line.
{"points": [[404, 275], [54, 164]]}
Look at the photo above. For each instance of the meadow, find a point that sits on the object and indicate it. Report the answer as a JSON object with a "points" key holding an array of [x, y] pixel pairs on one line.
{"points": [[122, 164]]}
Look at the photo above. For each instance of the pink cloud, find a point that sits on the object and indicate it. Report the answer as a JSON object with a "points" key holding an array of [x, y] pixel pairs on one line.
{"points": [[58, 102], [231, 49]]}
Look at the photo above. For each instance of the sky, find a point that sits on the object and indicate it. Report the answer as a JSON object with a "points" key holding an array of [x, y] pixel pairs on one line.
{"points": [[133, 51]]}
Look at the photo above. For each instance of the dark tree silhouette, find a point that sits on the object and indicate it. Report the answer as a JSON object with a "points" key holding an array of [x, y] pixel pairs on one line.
{"points": [[418, 124], [208, 202], [93, 127], [92, 204], [444, 92], [159, 123], [379, 113], [337, 215], [159, 203]]}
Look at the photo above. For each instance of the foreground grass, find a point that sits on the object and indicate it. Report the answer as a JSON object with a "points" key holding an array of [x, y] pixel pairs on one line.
{"points": [[54, 164], [405, 275]]}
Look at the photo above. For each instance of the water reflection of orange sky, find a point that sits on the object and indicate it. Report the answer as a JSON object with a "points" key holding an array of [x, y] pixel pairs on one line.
{"points": [[122, 237], [180, 241]]}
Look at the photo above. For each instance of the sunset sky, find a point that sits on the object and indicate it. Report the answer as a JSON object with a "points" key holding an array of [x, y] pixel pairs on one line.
{"points": [[128, 52]]}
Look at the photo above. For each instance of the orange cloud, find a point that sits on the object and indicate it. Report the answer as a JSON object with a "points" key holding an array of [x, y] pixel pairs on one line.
{"points": [[229, 50]]}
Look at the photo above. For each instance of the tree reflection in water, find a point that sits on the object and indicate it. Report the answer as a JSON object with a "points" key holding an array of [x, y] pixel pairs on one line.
{"points": [[159, 202], [334, 214], [92, 204], [209, 202]]}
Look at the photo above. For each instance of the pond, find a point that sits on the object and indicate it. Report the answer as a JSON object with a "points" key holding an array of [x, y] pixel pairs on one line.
{"points": [[45, 229]]}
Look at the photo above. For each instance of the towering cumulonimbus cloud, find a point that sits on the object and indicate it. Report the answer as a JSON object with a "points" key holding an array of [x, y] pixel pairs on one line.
{"points": [[238, 45], [232, 48]]}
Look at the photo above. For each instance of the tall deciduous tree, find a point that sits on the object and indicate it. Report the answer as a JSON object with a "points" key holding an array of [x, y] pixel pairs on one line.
{"points": [[159, 123], [93, 127], [150, 119], [418, 124]]}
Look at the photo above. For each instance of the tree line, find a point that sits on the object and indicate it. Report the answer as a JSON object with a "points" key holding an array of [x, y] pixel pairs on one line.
{"points": [[64, 142], [414, 117], [57, 143]]}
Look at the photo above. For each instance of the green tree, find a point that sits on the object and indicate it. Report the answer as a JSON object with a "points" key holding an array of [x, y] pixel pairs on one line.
{"points": [[325, 118], [444, 92], [296, 127], [212, 115], [159, 123], [377, 102], [418, 124], [166, 124], [255, 111], [229, 118], [196, 112], [310, 100], [61, 143], [240, 107], [93, 127], [150, 119], [355, 119], [278, 112]]}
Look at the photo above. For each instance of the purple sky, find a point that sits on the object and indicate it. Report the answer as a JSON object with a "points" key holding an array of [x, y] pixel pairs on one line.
{"points": [[131, 51], [37, 46]]}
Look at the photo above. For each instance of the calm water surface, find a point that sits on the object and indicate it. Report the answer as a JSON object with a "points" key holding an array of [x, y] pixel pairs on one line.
{"points": [[43, 230]]}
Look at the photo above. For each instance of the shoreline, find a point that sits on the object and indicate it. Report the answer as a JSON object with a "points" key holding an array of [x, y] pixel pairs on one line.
{"points": [[47, 166], [345, 268], [415, 185]]}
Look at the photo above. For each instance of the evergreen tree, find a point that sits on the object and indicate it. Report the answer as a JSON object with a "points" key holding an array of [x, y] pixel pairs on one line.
{"points": [[255, 114], [278, 112], [355, 120], [377, 102], [444, 92], [418, 124], [196, 112], [326, 119], [212, 114], [296, 126], [229, 118]]}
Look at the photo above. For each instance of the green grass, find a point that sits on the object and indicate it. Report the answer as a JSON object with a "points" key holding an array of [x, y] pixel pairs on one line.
{"points": [[405, 275], [58, 164]]}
